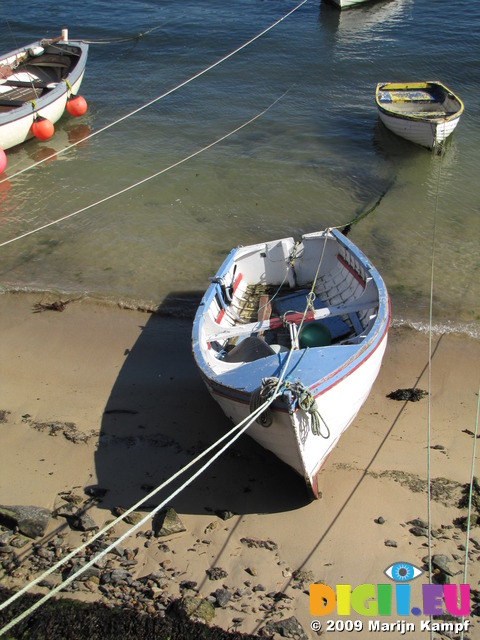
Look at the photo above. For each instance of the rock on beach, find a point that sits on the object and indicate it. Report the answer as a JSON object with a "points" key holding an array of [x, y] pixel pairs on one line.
{"points": [[30, 520]]}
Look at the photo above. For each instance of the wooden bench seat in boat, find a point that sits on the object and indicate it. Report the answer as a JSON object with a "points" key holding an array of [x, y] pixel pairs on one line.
{"points": [[50, 60], [17, 96], [35, 84]]}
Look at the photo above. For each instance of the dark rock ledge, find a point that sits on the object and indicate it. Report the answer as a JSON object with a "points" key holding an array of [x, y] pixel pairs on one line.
{"points": [[83, 621]]}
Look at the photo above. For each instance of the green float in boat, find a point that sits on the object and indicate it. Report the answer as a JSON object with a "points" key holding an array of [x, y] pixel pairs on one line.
{"points": [[314, 334]]}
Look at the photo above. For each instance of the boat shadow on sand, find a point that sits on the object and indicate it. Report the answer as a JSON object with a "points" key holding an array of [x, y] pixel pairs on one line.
{"points": [[160, 416]]}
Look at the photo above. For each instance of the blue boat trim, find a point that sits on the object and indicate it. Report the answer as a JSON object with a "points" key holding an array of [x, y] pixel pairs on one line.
{"points": [[306, 364]]}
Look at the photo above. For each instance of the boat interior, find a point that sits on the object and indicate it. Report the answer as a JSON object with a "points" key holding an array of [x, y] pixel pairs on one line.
{"points": [[236, 309], [425, 100], [29, 75]]}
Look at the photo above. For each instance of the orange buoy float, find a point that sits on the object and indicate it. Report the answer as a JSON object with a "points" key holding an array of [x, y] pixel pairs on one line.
{"points": [[42, 128], [76, 106], [3, 160]]}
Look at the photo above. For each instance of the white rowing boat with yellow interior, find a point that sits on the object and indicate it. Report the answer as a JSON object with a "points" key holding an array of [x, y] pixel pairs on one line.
{"points": [[423, 112]]}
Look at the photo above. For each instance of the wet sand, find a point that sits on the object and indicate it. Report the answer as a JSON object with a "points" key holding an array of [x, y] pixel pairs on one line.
{"points": [[130, 409]]}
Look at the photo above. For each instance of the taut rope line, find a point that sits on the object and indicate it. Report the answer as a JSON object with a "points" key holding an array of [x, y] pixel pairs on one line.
{"points": [[240, 428], [470, 493], [140, 182], [429, 417], [163, 95]]}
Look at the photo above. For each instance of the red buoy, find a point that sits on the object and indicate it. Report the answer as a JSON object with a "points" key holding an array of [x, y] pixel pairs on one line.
{"points": [[3, 160], [42, 128], [76, 106]]}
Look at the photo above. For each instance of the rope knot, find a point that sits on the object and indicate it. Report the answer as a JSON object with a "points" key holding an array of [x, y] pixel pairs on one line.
{"points": [[311, 297], [307, 403], [260, 396]]}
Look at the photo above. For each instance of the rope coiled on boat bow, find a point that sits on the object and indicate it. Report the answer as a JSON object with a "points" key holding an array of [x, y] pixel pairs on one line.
{"points": [[305, 400], [261, 395]]}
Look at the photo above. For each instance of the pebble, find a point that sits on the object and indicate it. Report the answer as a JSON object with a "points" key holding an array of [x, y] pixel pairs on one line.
{"points": [[223, 597], [419, 531], [289, 628], [440, 562], [217, 573], [30, 520]]}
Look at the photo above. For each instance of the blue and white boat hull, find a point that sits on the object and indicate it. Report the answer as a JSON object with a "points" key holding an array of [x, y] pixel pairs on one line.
{"points": [[335, 378]]}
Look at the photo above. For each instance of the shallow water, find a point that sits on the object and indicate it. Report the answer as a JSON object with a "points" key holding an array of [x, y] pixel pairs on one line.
{"points": [[318, 157]]}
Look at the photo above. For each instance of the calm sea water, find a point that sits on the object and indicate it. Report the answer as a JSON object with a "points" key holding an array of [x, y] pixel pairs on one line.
{"points": [[318, 157]]}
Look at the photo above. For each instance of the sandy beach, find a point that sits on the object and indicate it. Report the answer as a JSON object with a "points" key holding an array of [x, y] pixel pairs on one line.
{"points": [[98, 396]]}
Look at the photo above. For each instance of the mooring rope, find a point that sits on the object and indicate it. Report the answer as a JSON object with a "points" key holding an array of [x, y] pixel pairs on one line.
{"points": [[239, 428], [470, 497], [235, 432], [135, 36], [429, 414], [144, 180], [163, 95], [362, 215]]}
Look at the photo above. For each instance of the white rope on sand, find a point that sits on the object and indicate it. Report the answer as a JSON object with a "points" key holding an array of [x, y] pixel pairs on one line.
{"points": [[239, 428], [163, 95], [470, 496]]}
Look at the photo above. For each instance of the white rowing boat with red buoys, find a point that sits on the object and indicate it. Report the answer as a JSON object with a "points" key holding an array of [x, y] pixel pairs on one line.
{"points": [[306, 321], [37, 83]]}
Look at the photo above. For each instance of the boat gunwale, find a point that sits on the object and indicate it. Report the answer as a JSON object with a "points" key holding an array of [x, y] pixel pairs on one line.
{"points": [[413, 117], [366, 348], [54, 94]]}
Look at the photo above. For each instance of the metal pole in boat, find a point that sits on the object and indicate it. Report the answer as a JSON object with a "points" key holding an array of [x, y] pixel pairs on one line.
{"points": [[65, 35]]}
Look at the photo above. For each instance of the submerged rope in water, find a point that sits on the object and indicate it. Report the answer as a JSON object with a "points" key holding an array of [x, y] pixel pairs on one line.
{"points": [[163, 95], [135, 36], [140, 182], [360, 216]]}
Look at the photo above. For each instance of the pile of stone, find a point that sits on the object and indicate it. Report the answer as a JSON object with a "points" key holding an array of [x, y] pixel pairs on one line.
{"points": [[112, 578]]}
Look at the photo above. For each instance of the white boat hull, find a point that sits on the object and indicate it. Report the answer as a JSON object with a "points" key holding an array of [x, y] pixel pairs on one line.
{"points": [[426, 134], [250, 339], [58, 84], [18, 131], [345, 4], [425, 113], [290, 436]]}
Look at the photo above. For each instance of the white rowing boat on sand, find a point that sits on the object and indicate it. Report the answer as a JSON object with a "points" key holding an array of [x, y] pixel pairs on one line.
{"points": [[313, 315]]}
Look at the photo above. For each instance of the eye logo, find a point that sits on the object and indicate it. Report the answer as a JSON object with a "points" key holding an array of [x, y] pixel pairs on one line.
{"points": [[403, 572]]}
